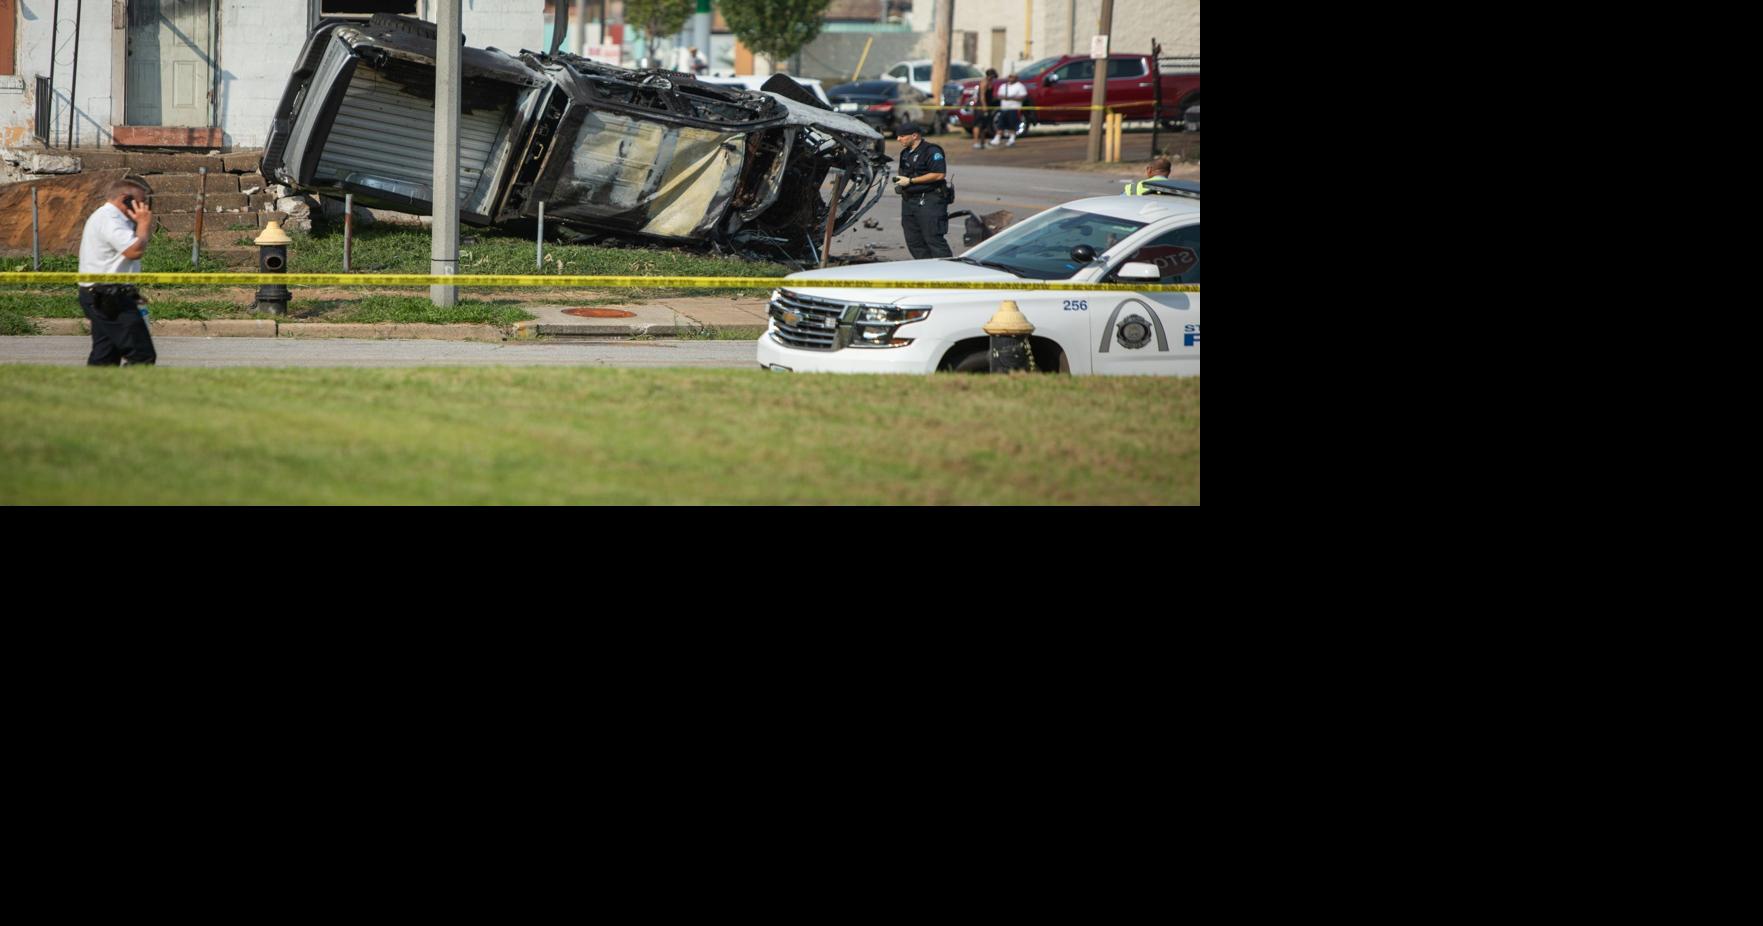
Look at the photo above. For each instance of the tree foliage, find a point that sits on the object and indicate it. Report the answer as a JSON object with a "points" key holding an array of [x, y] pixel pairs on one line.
{"points": [[659, 18], [776, 29]]}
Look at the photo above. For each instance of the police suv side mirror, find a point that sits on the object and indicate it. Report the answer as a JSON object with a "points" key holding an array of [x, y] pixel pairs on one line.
{"points": [[1138, 270], [1083, 253]]}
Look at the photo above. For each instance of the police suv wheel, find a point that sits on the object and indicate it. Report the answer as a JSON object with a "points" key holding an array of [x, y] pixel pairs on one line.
{"points": [[978, 361]]}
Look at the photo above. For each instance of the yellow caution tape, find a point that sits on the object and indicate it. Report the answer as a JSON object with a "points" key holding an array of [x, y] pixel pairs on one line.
{"points": [[561, 281], [1000, 109]]}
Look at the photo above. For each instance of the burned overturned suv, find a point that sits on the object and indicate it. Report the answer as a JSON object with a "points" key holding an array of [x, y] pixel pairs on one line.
{"points": [[651, 156]]}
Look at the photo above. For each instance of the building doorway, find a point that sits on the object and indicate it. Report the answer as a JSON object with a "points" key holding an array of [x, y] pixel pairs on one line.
{"points": [[169, 76]]}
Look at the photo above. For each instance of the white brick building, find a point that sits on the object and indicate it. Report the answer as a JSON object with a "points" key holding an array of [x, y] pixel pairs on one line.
{"points": [[994, 30], [184, 73]]}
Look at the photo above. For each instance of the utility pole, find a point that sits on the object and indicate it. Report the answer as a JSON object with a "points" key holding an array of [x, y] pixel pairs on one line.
{"points": [[939, 67], [581, 34], [701, 30], [444, 245], [1099, 96]]}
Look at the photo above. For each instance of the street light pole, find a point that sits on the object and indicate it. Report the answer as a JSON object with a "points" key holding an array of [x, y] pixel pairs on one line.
{"points": [[444, 244]]}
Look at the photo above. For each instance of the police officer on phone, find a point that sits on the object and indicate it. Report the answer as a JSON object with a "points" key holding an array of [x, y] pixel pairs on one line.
{"points": [[115, 237], [923, 185]]}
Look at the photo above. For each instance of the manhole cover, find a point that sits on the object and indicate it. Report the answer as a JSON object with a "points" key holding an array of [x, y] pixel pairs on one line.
{"points": [[599, 313]]}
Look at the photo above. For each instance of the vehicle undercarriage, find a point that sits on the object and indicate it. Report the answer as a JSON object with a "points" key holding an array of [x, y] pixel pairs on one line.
{"points": [[651, 156]]}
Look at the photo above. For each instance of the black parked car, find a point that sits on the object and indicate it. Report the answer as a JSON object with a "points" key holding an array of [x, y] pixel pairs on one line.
{"points": [[884, 104]]}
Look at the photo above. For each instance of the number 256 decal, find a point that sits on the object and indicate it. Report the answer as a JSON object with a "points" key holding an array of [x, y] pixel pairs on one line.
{"points": [[1077, 305]]}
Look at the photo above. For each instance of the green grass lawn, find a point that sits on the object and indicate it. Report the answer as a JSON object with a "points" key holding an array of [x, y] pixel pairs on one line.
{"points": [[535, 435]]}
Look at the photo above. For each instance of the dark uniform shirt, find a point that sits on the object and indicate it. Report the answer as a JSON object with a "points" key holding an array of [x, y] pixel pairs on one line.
{"points": [[924, 209], [924, 159]]}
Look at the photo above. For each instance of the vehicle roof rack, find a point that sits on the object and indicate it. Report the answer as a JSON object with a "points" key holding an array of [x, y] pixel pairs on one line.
{"points": [[1167, 187]]}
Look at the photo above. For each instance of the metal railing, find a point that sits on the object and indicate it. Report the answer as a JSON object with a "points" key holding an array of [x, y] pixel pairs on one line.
{"points": [[45, 109]]}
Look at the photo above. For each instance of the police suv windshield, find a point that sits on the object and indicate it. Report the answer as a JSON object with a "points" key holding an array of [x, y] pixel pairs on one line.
{"points": [[1040, 248]]}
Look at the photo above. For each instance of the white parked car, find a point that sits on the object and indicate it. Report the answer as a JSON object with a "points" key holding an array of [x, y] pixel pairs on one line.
{"points": [[917, 73], [1108, 239]]}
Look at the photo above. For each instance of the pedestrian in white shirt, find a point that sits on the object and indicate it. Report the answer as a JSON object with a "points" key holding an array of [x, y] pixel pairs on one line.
{"points": [[1011, 93], [114, 240]]}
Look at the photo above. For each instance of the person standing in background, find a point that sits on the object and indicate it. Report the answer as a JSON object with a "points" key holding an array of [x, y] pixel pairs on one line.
{"points": [[1009, 119], [985, 103], [1159, 167]]}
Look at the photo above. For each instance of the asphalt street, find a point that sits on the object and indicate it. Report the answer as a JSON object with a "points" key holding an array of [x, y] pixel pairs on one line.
{"points": [[983, 188], [297, 352]]}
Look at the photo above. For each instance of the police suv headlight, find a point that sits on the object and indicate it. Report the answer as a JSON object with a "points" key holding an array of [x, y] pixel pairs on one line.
{"points": [[874, 325], [890, 314]]}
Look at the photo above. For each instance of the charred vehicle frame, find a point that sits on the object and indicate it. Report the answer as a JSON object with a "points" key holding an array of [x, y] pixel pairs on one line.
{"points": [[651, 155]]}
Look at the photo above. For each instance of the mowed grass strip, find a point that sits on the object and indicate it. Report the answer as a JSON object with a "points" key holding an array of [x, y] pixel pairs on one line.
{"points": [[535, 435]]}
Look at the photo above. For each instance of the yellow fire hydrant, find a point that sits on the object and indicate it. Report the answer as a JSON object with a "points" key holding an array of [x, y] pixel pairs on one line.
{"points": [[272, 257], [1009, 330]]}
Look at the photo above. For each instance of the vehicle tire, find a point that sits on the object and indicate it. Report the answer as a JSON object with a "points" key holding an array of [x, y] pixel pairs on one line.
{"points": [[975, 361], [1177, 122]]}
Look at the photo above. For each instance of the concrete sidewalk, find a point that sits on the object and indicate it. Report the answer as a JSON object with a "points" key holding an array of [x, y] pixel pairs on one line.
{"points": [[683, 317]]}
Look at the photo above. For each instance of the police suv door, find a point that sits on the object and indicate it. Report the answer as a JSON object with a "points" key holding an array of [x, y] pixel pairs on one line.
{"points": [[1152, 333]]}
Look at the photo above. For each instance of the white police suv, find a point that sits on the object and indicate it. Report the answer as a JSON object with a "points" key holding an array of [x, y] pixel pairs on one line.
{"points": [[1108, 239]]}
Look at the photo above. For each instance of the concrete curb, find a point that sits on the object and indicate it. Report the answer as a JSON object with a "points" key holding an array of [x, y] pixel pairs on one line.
{"points": [[60, 325], [390, 331], [218, 328], [530, 330], [172, 327]]}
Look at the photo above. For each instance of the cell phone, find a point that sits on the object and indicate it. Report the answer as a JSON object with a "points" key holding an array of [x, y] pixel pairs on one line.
{"points": [[128, 204]]}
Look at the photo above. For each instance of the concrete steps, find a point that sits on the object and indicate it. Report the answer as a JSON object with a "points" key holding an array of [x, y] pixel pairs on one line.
{"points": [[183, 223], [236, 193]]}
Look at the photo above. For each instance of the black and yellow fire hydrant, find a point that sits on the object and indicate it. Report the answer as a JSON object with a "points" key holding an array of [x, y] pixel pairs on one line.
{"points": [[1009, 331], [272, 257]]}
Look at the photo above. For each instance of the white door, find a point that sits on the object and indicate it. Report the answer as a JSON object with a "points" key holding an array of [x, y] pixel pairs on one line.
{"points": [[169, 73], [1157, 333]]}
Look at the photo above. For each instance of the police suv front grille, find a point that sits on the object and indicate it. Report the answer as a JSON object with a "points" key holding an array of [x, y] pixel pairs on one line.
{"points": [[805, 322]]}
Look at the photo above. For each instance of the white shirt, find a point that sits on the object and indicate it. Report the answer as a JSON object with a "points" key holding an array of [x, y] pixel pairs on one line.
{"points": [[108, 234], [1011, 95]]}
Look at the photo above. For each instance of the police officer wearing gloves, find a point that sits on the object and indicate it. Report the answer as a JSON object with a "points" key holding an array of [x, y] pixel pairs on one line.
{"points": [[922, 183]]}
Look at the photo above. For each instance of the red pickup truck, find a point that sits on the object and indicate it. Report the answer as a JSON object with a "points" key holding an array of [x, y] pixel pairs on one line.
{"points": [[1069, 80]]}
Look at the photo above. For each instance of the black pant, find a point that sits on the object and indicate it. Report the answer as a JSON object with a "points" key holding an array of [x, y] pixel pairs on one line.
{"points": [[118, 330], [925, 217]]}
